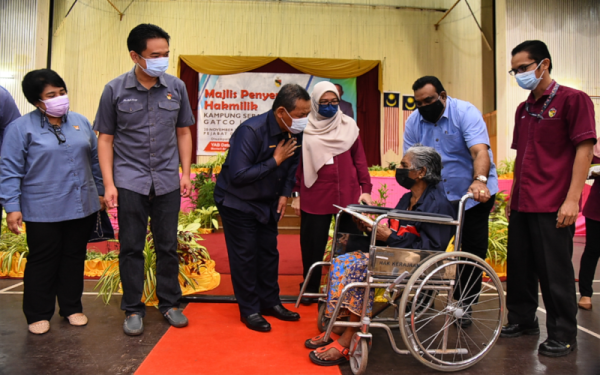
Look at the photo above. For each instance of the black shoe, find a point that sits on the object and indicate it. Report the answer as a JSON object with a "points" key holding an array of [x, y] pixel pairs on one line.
{"points": [[281, 313], [516, 330], [133, 325], [554, 348], [465, 321], [176, 318], [307, 301], [256, 323]]}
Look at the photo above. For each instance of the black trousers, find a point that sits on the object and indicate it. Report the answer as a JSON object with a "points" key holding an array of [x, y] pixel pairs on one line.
{"points": [[55, 266], [253, 259], [537, 250], [475, 241], [589, 259], [133, 212], [314, 233]]}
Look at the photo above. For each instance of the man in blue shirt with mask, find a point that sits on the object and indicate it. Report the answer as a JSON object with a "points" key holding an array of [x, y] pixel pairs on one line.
{"points": [[251, 194], [456, 130]]}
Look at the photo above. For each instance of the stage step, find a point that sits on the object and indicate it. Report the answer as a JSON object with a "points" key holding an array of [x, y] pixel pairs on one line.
{"points": [[289, 224]]}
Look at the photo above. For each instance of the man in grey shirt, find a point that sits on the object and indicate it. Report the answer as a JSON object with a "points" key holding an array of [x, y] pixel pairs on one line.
{"points": [[143, 120], [8, 113]]}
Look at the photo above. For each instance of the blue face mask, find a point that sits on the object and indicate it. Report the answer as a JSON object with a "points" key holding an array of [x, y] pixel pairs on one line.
{"points": [[155, 67], [528, 80], [328, 110], [298, 124]]}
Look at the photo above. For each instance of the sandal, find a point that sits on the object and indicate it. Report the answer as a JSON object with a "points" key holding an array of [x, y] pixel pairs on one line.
{"points": [[39, 327], [336, 345], [77, 319], [310, 343]]}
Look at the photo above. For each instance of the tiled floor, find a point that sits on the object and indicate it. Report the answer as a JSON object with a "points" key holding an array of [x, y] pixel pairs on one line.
{"points": [[102, 348]]}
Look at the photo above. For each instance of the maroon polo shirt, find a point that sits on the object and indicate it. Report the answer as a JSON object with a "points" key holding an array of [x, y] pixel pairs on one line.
{"points": [[340, 183], [546, 147], [592, 206]]}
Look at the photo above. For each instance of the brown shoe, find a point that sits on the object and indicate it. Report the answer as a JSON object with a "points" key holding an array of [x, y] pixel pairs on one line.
{"points": [[39, 328], [585, 303], [77, 319]]}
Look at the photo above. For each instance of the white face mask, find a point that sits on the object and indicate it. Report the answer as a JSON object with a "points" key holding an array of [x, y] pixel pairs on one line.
{"points": [[298, 124], [528, 80], [155, 67]]}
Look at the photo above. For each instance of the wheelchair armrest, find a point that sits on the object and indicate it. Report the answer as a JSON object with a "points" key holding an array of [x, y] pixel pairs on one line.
{"points": [[364, 209], [419, 216]]}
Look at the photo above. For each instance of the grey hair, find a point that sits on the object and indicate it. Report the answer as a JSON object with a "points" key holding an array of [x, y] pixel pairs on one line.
{"points": [[428, 157]]}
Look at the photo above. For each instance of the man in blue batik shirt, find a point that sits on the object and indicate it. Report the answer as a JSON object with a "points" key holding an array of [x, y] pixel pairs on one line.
{"points": [[456, 129], [251, 194]]}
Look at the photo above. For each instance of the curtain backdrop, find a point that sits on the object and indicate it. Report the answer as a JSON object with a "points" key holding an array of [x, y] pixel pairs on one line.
{"points": [[368, 85]]}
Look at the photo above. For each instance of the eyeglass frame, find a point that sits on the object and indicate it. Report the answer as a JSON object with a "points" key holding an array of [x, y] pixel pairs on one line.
{"points": [[333, 102], [56, 129], [521, 69]]}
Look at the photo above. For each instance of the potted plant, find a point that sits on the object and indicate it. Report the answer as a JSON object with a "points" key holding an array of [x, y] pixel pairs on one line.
{"points": [[506, 169], [190, 253]]}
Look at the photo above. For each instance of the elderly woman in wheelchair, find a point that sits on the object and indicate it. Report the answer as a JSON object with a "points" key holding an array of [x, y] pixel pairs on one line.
{"points": [[420, 172]]}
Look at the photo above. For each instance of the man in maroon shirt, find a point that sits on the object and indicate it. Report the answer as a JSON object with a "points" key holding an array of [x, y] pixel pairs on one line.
{"points": [[554, 135]]}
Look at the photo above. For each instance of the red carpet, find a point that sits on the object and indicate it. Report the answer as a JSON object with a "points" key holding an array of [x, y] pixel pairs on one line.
{"points": [[290, 258], [288, 286], [216, 342]]}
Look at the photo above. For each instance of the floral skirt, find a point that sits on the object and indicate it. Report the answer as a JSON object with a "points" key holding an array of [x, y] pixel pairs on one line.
{"points": [[345, 269]]}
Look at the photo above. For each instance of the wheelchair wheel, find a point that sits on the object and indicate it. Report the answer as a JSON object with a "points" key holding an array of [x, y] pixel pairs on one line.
{"points": [[358, 359], [424, 302], [461, 326], [322, 321]]}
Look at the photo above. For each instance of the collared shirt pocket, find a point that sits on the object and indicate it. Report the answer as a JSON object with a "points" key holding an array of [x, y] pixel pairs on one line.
{"points": [[452, 143], [129, 114], [551, 131], [168, 112]]}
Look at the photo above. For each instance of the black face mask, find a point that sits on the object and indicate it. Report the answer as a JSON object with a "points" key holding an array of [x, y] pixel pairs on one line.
{"points": [[403, 179], [433, 111]]}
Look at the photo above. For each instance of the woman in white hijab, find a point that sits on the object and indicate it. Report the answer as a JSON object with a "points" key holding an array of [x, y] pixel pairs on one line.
{"points": [[333, 170]]}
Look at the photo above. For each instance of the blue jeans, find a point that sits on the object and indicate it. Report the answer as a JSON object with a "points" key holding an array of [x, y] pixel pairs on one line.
{"points": [[134, 210]]}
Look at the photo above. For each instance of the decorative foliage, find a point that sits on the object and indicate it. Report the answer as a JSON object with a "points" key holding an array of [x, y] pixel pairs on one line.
{"points": [[96, 255], [190, 253], [12, 247], [199, 218], [498, 239], [383, 196], [506, 167]]}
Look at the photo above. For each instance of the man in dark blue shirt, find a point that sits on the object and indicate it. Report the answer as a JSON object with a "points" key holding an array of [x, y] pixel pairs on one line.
{"points": [[251, 195]]}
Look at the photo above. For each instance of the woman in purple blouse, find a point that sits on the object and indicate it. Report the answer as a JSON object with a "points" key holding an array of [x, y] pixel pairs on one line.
{"points": [[591, 254], [333, 170]]}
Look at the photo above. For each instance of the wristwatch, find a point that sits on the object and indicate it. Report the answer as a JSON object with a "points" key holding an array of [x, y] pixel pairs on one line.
{"points": [[295, 194], [481, 178]]}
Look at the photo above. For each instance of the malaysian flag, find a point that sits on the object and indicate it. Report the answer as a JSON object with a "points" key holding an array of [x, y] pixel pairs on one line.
{"points": [[408, 107], [391, 122]]}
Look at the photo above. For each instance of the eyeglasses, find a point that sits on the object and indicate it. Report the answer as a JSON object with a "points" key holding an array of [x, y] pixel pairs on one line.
{"points": [[58, 133], [521, 69], [327, 102]]}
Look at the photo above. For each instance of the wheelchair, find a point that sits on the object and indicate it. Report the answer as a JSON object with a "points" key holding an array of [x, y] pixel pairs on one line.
{"points": [[425, 290]]}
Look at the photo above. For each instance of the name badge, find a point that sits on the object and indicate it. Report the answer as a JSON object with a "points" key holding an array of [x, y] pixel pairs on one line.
{"points": [[76, 127]]}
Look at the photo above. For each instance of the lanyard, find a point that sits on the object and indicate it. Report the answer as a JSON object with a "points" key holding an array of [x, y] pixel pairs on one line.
{"points": [[552, 95]]}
